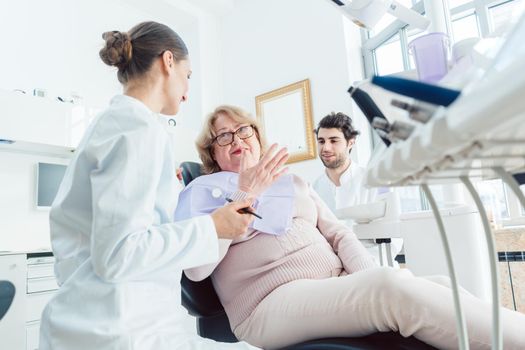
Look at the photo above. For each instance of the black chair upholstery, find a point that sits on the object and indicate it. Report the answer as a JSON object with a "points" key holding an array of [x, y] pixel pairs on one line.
{"points": [[376, 341], [7, 294], [201, 301], [190, 171]]}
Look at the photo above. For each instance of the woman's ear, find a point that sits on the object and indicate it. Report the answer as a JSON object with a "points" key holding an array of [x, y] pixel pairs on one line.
{"points": [[167, 61]]}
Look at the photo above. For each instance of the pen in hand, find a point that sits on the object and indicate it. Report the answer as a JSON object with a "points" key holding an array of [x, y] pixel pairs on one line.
{"points": [[245, 210]]}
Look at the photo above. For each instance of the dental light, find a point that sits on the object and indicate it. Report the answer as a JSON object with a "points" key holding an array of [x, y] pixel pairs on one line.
{"points": [[366, 13]]}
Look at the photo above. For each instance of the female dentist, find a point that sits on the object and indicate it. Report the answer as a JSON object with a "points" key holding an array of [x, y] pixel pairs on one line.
{"points": [[118, 254]]}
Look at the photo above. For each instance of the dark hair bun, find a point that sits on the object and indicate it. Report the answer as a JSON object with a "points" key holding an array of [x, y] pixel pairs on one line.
{"points": [[118, 50]]}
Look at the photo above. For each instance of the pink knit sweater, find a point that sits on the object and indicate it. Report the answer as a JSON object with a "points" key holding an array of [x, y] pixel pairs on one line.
{"points": [[316, 246]]}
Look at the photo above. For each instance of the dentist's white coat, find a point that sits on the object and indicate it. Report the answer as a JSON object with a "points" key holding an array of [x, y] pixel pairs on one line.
{"points": [[118, 254]]}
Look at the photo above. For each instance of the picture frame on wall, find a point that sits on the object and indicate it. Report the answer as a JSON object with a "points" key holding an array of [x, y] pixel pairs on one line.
{"points": [[285, 115]]}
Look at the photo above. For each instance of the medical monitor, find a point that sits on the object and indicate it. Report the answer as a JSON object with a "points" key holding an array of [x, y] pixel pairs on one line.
{"points": [[48, 179]]}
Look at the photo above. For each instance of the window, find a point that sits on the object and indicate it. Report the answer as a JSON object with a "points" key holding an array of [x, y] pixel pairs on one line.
{"points": [[500, 13], [413, 199], [388, 57], [481, 17], [465, 26], [515, 210], [494, 198]]}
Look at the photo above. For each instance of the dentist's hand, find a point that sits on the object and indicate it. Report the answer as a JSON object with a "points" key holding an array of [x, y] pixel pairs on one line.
{"points": [[256, 179], [229, 222]]}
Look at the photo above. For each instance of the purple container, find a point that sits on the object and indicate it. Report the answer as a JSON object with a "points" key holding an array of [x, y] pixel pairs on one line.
{"points": [[431, 52]]}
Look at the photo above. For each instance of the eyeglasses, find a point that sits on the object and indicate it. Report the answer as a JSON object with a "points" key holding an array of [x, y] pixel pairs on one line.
{"points": [[226, 138]]}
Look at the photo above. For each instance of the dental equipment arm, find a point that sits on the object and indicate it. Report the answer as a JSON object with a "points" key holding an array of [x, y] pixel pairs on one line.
{"points": [[418, 111], [388, 132], [369, 109], [366, 13], [429, 93]]}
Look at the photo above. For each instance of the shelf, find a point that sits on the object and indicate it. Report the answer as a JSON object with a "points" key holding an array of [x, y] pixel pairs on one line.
{"points": [[36, 148]]}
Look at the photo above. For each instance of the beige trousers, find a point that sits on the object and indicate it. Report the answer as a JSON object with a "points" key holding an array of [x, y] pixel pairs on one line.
{"points": [[379, 299]]}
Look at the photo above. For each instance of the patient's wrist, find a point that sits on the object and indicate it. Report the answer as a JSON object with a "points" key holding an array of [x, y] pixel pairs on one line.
{"points": [[239, 195]]}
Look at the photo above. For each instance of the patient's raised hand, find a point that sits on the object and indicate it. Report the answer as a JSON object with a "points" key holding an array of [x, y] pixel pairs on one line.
{"points": [[255, 179]]}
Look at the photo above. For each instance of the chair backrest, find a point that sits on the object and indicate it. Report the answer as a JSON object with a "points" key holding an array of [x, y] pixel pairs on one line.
{"points": [[7, 294], [190, 171]]}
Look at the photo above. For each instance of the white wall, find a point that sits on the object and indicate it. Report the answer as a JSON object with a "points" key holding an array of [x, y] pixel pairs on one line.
{"points": [[267, 44], [54, 45]]}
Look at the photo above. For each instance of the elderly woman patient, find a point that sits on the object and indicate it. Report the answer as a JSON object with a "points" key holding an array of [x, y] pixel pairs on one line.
{"points": [[299, 274]]}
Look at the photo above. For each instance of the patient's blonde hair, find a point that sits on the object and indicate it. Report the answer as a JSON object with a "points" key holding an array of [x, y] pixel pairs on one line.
{"points": [[204, 142]]}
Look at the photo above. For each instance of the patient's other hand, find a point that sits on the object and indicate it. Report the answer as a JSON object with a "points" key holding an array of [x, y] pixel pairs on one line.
{"points": [[178, 173], [229, 222]]}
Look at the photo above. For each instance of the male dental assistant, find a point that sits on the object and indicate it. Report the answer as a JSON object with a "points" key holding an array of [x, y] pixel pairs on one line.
{"points": [[342, 183]]}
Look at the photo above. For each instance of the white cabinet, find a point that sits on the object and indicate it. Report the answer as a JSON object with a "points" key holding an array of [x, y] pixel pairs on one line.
{"points": [[35, 125], [12, 327], [39, 149], [32, 336], [40, 287], [34, 119], [35, 304], [35, 283]]}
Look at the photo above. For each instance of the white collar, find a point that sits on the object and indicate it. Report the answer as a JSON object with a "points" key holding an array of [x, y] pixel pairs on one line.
{"points": [[131, 100], [346, 176], [136, 103]]}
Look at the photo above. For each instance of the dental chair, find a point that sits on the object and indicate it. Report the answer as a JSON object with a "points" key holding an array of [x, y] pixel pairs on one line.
{"points": [[201, 301], [7, 294]]}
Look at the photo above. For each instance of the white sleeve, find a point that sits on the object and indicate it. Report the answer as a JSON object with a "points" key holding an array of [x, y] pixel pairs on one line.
{"points": [[199, 273], [126, 243]]}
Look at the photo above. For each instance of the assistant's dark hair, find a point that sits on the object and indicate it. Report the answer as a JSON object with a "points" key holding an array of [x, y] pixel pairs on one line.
{"points": [[338, 121], [134, 52]]}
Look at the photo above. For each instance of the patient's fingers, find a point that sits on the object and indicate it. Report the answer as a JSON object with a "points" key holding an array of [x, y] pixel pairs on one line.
{"points": [[268, 154], [278, 160], [280, 173], [244, 164]]}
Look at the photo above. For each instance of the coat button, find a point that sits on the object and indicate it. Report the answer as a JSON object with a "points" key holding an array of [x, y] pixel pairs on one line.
{"points": [[216, 193]]}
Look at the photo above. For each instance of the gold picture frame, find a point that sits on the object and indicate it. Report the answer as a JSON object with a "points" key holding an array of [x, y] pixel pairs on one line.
{"points": [[285, 115]]}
